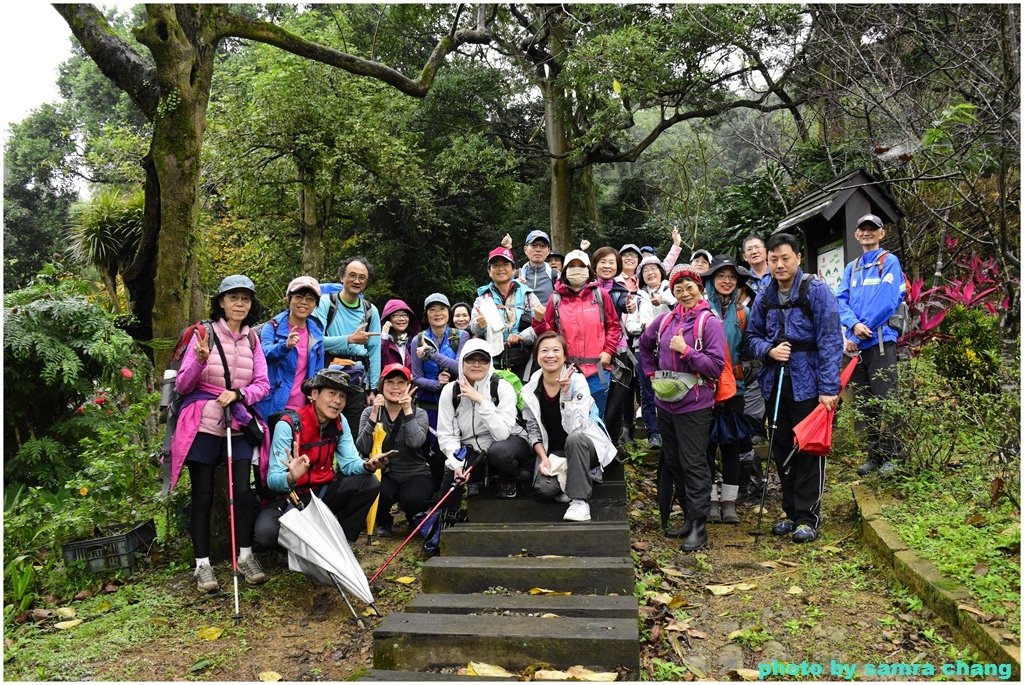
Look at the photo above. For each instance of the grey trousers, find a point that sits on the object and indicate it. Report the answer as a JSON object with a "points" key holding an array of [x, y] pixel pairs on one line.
{"points": [[581, 456]]}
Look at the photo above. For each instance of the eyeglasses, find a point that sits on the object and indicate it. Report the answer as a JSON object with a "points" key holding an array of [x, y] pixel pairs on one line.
{"points": [[358, 278], [538, 245], [726, 277], [478, 361], [304, 297], [500, 265], [399, 315]]}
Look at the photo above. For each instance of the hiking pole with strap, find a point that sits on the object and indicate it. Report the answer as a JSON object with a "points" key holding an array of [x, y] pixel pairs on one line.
{"points": [[771, 447], [231, 514], [426, 518]]}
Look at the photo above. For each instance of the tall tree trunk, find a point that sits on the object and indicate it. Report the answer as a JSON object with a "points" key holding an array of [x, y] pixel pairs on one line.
{"points": [[556, 116], [586, 178], [311, 229], [184, 58]]}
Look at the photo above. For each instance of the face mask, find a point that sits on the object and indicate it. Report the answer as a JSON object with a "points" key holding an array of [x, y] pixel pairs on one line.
{"points": [[577, 275]]}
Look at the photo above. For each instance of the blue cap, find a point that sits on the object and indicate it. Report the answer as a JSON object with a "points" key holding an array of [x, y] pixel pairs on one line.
{"points": [[648, 248], [537, 235], [236, 282]]}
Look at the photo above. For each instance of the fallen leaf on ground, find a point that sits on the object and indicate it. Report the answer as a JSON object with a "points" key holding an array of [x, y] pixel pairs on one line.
{"points": [[972, 610], [831, 549], [210, 632], [200, 665], [641, 546], [84, 594], [677, 625], [67, 612], [745, 586], [721, 590], [674, 572], [487, 670], [769, 564], [550, 615], [586, 674], [270, 676], [976, 519], [743, 673], [735, 634], [544, 591], [791, 564], [65, 625], [104, 607], [698, 634], [405, 580], [40, 614], [693, 669], [368, 611], [795, 590]]}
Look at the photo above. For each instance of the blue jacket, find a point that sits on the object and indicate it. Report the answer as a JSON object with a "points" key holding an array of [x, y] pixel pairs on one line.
{"points": [[869, 294], [282, 362], [815, 372]]}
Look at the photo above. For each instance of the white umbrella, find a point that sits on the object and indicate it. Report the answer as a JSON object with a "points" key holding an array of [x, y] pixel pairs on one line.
{"points": [[318, 548]]}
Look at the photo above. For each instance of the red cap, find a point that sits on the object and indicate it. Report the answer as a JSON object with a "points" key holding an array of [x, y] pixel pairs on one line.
{"points": [[684, 271], [503, 253], [391, 368]]}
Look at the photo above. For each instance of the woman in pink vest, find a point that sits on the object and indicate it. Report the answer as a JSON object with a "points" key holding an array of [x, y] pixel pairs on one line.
{"points": [[229, 373], [584, 314]]}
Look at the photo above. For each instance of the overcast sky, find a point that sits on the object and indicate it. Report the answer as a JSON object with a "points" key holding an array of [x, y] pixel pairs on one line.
{"points": [[34, 40]]}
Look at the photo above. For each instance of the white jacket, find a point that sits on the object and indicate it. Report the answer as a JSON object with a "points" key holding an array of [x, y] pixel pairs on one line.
{"points": [[478, 425], [579, 415]]}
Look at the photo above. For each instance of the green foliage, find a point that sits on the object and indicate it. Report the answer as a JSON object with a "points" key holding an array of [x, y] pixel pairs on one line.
{"points": [[968, 353], [60, 350], [666, 670]]}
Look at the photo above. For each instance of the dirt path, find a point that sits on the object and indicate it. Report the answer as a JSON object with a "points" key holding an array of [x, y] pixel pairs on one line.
{"points": [[815, 603]]}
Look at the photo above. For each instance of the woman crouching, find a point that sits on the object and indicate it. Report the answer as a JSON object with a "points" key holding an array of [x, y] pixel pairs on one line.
{"points": [[562, 421]]}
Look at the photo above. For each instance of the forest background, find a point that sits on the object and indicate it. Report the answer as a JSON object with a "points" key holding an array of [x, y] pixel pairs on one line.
{"points": [[276, 139]]}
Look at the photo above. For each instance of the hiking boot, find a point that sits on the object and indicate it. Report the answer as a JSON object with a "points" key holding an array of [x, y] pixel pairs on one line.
{"points": [[563, 498], [655, 442], [888, 468], [507, 489], [251, 569], [715, 512], [680, 532], [383, 530], [867, 467], [579, 510], [472, 490], [805, 533], [697, 538], [205, 580], [729, 514], [783, 527]]}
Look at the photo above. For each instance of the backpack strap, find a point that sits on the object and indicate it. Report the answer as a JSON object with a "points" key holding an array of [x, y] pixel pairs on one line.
{"points": [[331, 311], [495, 379]]}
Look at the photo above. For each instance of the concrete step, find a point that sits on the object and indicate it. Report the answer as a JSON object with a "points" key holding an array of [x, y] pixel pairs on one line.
{"points": [[608, 489], [411, 641], [537, 510], [381, 675], [587, 539], [581, 575], [578, 606]]}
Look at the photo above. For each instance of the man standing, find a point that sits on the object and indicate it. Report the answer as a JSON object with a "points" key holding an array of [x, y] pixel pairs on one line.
{"points": [[756, 257], [352, 328], [872, 288], [794, 329], [537, 273]]}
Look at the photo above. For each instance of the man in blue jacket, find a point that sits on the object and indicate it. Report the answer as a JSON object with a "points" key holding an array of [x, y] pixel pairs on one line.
{"points": [[794, 326], [872, 288]]}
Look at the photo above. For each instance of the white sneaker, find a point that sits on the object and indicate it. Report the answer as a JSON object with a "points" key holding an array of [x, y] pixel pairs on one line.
{"points": [[562, 497], [579, 510]]}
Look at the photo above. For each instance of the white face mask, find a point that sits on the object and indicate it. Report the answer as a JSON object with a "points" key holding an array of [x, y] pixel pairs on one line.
{"points": [[577, 275]]}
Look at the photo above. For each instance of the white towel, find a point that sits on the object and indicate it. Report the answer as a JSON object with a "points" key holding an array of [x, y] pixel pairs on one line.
{"points": [[559, 469], [494, 336]]}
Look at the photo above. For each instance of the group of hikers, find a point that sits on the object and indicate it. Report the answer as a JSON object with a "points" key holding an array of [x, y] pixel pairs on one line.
{"points": [[534, 387]]}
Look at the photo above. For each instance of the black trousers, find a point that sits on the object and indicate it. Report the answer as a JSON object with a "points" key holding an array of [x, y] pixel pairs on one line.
{"points": [[684, 447], [201, 477], [348, 497], [804, 484], [412, 496], [875, 378]]}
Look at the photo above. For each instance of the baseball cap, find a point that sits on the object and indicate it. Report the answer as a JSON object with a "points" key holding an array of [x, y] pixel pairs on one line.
{"points": [[303, 283], [702, 253], [501, 253], [630, 246], [537, 235], [577, 254], [436, 298], [394, 368], [870, 219], [648, 249]]}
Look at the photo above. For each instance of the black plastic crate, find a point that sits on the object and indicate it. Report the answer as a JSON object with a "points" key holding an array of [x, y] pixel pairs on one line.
{"points": [[112, 552]]}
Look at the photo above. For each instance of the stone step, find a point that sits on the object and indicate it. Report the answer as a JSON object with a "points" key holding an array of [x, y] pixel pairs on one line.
{"points": [[581, 575], [534, 509], [587, 539], [608, 489], [578, 606], [382, 675], [411, 641]]}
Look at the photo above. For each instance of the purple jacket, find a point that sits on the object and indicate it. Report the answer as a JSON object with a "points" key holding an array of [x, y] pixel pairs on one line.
{"points": [[708, 362]]}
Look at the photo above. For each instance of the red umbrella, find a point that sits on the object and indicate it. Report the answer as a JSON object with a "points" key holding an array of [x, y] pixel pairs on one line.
{"points": [[813, 435]]}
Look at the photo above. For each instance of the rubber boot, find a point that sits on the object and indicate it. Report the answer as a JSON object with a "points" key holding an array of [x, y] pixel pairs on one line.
{"points": [[715, 512], [729, 494], [697, 538], [680, 532]]}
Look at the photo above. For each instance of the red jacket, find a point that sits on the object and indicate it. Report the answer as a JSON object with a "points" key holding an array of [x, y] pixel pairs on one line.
{"points": [[319, 446], [579, 322]]}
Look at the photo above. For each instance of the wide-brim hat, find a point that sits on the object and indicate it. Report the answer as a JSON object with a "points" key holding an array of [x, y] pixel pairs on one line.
{"points": [[720, 262], [333, 377]]}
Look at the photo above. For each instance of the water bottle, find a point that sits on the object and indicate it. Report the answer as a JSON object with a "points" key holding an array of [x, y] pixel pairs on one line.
{"points": [[167, 392]]}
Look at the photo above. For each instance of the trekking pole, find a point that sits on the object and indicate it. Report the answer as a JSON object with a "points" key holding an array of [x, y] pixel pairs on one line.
{"points": [[231, 515], [771, 448], [426, 518]]}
